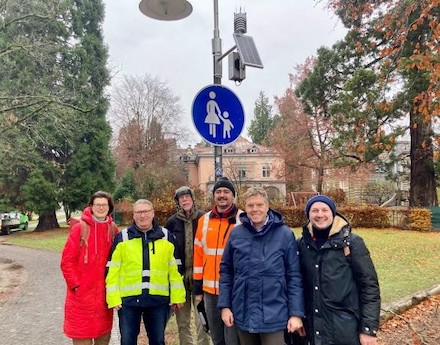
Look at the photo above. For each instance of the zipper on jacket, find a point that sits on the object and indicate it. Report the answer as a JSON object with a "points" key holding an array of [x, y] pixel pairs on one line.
{"points": [[226, 232], [216, 254]]}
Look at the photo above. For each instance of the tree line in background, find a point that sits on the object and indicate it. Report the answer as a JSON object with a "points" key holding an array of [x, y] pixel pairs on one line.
{"points": [[54, 137], [352, 102], [343, 108], [56, 144]]}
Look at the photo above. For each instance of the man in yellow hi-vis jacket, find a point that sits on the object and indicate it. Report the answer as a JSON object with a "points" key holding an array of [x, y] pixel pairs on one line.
{"points": [[143, 278]]}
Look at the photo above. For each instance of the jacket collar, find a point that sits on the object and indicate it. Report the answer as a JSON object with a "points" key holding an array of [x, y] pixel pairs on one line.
{"points": [[155, 233], [274, 219], [229, 213]]}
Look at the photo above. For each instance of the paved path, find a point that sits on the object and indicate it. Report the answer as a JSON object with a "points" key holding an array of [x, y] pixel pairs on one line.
{"points": [[34, 315]]}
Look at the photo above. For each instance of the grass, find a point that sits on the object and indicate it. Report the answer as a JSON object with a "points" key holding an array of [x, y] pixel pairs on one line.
{"points": [[52, 240], [406, 261]]}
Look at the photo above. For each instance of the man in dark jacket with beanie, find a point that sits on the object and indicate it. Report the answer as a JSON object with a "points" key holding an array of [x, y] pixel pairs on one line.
{"points": [[341, 289], [183, 225]]}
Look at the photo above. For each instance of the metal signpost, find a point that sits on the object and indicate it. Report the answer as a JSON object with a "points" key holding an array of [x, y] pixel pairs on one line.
{"points": [[220, 129]]}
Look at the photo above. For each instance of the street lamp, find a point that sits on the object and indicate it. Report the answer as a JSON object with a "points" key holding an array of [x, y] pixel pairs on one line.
{"points": [[166, 9], [179, 9]]}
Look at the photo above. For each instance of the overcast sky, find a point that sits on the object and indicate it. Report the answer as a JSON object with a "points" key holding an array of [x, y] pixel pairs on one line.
{"points": [[285, 33]]}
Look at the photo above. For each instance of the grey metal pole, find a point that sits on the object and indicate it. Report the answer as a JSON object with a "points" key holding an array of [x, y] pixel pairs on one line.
{"points": [[217, 74]]}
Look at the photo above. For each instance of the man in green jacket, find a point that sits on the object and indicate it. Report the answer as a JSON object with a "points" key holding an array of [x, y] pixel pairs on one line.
{"points": [[143, 278], [183, 225]]}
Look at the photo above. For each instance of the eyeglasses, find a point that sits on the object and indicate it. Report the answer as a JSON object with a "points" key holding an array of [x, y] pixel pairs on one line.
{"points": [[100, 205], [142, 212]]}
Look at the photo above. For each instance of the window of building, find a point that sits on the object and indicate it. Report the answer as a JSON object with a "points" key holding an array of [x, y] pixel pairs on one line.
{"points": [[242, 173], [265, 170], [229, 150]]}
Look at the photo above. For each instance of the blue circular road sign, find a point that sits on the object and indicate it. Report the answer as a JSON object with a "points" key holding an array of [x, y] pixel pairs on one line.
{"points": [[218, 114]]}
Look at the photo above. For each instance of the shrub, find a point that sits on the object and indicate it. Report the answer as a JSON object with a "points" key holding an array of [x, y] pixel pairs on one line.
{"points": [[368, 217], [338, 196], [363, 216], [417, 219]]}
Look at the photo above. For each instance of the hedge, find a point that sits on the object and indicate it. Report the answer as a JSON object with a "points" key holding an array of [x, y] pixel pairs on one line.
{"points": [[365, 216]]}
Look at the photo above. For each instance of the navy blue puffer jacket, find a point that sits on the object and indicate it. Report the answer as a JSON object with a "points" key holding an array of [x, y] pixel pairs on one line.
{"points": [[260, 278]]}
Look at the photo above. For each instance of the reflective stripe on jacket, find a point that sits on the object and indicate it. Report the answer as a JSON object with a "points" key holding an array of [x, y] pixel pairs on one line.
{"points": [[210, 241], [127, 277]]}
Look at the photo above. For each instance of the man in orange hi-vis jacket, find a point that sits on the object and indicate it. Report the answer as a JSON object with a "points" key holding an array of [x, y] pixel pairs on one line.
{"points": [[212, 234]]}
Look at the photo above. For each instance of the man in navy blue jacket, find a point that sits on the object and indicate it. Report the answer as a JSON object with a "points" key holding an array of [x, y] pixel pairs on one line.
{"points": [[260, 281]]}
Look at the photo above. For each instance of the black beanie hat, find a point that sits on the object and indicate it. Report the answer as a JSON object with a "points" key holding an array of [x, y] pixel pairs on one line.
{"points": [[224, 182]]}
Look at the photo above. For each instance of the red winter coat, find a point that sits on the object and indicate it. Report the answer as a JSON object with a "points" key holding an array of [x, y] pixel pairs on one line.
{"points": [[86, 314]]}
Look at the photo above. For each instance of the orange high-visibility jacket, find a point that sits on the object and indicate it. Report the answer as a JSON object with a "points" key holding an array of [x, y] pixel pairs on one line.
{"points": [[209, 243]]}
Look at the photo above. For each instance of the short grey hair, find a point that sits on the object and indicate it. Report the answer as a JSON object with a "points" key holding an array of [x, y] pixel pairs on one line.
{"points": [[143, 202]]}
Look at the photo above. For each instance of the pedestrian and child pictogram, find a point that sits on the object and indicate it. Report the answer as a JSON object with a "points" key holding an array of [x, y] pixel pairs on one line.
{"points": [[218, 115]]}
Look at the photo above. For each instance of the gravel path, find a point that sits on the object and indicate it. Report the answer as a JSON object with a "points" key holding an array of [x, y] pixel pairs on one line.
{"points": [[34, 315]]}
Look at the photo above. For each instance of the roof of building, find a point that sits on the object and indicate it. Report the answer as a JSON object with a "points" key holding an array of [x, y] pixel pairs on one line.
{"points": [[241, 145]]}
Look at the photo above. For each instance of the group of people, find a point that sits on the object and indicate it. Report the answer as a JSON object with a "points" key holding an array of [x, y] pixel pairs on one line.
{"points": [[259, 285]]}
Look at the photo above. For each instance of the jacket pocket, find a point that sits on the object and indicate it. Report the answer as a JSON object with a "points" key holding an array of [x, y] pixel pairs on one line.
{"points": [[274, 300], [344, 330], [238, 302]]}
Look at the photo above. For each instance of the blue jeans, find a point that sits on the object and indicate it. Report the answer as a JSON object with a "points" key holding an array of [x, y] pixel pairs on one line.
{"points": [[155, 320], [220, 334]]}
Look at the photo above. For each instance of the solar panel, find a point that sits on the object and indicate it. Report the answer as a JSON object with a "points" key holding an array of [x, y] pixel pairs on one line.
{"points": [[247, 50]]}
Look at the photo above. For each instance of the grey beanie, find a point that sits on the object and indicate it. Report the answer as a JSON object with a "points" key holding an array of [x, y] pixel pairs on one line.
{"points": [[183, 191]]}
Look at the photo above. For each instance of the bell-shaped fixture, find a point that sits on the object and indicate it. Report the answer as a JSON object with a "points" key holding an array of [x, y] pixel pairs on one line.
{"points": [[165, 9]]}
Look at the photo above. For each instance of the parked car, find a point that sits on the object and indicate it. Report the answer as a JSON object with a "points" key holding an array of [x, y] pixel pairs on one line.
{"points": [[13, 221]]}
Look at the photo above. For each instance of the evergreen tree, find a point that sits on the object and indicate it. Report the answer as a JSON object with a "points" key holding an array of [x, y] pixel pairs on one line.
{"points": [[399, 40], [263, 121], [89, 166], [126, 187], [52, 108]]}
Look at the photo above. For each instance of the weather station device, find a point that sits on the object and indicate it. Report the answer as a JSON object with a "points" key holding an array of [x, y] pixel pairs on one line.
{"points": [[244, 53]]}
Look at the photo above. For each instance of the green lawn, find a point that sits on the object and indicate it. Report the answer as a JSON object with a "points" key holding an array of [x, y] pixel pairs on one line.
{"points": [[52, 240], [406, 261]]}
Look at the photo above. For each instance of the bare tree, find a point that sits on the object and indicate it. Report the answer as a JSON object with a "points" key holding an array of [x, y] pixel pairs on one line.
{"points": [[143, 100], [146, 117]]}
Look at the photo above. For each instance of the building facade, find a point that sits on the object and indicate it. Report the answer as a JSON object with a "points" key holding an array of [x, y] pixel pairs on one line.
{"points": [[245, 163]]}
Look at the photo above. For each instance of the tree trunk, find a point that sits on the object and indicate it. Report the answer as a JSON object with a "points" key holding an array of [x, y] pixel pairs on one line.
{"points": [[320, 178], [47, 221], [422, 191]]}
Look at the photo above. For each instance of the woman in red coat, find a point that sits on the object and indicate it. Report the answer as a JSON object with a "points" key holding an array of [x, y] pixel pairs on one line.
{"points": [[87, 319]]}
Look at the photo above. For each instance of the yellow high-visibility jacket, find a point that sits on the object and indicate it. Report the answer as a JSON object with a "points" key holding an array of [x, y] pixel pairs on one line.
{"points": [[131, 272]]}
